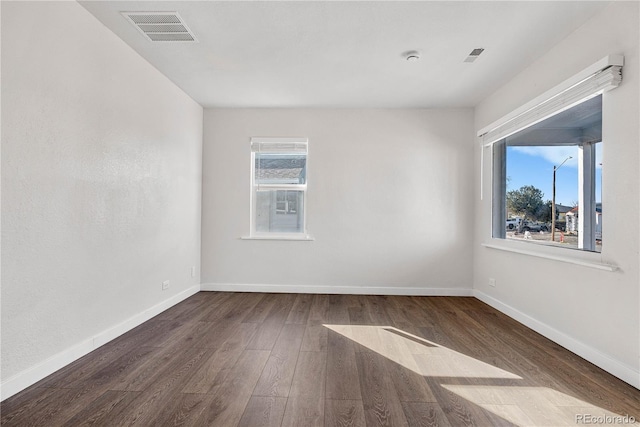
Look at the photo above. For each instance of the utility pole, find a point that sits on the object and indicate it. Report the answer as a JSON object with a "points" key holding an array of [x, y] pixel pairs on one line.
{"points": [[553, 201]]}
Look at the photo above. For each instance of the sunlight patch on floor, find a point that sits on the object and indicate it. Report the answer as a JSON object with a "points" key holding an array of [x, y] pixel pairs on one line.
{"points": [[536, 406], [419, 355], [523, 406]]}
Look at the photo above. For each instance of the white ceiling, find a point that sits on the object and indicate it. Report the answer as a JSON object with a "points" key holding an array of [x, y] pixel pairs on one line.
{"points": [[348, 54]]}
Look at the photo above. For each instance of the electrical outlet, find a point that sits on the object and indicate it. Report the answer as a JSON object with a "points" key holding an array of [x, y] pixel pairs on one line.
{"points": [[492, 282], [165, 285], [193, 271]]}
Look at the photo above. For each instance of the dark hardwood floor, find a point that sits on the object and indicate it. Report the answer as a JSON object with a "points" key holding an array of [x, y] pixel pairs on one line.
{"points": [[250, 359]]}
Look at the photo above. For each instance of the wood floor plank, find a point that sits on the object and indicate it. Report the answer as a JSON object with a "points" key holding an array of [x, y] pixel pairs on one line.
{"points": [[113, 372], [359, 316], [104, 409], [164, 389], [315, 338], [318, 312], [397, 313], [234, 308], [45, 407], [424, 414], [338, 310], [300, 311], [149, 370], [146, 335], [342, 370], [259, 312], [344, 413], [215, 369], [304, 411], [305, 406], [381, 405], [239, 311], [150, 333], [365, 338], [263, 411], [187, 335], [87, 391], [18, 409], [229, 399], [104, 373], [269, 330], [183, 410], [215, 334], [278, 373], [87, 366], [156, 336], [416, 312], [459, 411], [409, 385], [280, 311], [265, 336], [377, 309], [209, 305], [192, 309], [513, 414]]}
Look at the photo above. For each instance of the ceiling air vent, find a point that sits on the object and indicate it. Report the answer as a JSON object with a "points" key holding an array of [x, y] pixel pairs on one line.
{"points": [[161, 26], [474, 54]]}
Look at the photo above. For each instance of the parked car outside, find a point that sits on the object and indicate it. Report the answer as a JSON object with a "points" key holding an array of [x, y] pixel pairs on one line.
{"points": [[535, 226], [512, 223]]}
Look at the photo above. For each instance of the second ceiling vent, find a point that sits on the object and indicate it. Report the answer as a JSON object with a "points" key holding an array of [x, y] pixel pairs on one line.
{"points": [[474, 54], [161, 26]]}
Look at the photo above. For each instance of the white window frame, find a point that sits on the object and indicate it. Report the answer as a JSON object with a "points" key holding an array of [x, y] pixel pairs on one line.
{"points": [[275, 146], [600, 77]]}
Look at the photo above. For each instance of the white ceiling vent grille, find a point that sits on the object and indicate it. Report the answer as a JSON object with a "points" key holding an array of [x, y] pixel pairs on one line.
{"points": [[474, 54], [161, 26]]}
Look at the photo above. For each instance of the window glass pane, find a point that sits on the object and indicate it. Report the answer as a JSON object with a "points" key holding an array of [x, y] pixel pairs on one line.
{"points": [[279, 211], [549, 156], [280, 168], [530, 181]]}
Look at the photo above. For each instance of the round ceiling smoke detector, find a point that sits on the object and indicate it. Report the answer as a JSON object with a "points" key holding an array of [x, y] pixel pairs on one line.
{"points": [[412, 56]]}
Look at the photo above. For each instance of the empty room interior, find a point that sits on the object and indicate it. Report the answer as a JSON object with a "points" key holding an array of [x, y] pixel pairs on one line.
{"points": [[319, 213]]}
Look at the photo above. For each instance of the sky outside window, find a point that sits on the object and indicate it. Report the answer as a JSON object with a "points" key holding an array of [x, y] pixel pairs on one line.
{"points": [[533, 165]]}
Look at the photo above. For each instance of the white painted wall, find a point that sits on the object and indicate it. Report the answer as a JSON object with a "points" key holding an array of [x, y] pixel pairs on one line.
{"points": [[594, 313], [389, 202], [101, 187]]}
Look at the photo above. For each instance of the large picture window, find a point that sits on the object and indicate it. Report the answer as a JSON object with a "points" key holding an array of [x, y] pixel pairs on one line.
{"points": [[547, 180], [278, 187], [547, 163]]}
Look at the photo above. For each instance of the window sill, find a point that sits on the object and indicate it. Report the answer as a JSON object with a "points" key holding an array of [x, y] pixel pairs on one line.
{"points": [[577, 261], [297, 237]]}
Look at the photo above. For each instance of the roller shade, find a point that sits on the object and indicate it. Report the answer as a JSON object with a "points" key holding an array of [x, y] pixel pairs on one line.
{"points": [[597, 82], [279, 145]]}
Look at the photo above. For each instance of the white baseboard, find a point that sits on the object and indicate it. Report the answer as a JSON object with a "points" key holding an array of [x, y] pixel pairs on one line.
{"points": [[34, 374], [614, 367], [351, 290]]}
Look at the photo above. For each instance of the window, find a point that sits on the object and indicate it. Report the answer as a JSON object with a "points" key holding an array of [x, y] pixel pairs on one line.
{"points": [[278, 187], [547, 163], [554, 162]]}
